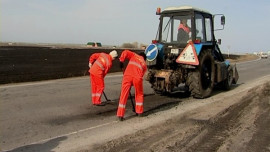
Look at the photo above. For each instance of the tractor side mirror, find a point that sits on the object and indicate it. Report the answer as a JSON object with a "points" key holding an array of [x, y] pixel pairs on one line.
{"points": [[223, 20]]}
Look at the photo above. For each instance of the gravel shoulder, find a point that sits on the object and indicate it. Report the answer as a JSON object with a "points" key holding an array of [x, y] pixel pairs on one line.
{"points": [[236, 120], [243, 58]]}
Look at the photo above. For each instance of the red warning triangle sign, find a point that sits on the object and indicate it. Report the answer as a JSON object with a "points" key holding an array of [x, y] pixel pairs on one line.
{"points": [[188, 55]]}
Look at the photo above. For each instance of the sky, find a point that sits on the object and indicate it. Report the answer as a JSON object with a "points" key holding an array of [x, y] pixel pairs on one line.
{"points": [[114, 22]]}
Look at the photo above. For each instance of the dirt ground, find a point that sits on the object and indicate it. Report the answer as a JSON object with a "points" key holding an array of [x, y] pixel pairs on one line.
{"points": [[244, 126], [237, 121], [242, 58]]}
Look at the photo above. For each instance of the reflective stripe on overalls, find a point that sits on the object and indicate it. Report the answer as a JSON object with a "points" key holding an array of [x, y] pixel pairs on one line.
{"points": [[103, 57], [136, 64], [96, 94], [122, 106]]}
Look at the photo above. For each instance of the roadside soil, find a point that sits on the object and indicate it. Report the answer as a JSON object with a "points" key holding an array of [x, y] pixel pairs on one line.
{"points": [[242, 58], [242, 126], [237, 120]]}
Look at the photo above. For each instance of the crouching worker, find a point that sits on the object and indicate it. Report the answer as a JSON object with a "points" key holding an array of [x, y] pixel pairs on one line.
{"points": [[99, 64], [133, 76]]}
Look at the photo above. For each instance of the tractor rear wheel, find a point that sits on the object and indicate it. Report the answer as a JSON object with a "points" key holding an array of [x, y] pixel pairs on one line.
{"points": [[201, 81]]}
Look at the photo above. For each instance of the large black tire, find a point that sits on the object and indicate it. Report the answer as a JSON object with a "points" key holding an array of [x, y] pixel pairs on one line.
{"points": [[201, 81]]}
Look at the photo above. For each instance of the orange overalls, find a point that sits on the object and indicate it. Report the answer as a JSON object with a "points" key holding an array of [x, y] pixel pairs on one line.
{"points": [[101, 63], [185, 28], [133, 76]]}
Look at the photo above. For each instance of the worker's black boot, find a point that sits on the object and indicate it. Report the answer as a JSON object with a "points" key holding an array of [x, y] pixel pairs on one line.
{"points": [[120, 118], [139, 114], [101, 104]]}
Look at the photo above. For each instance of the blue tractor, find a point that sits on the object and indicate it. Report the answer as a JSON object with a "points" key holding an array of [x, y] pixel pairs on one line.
{"points": [[186, 53]]}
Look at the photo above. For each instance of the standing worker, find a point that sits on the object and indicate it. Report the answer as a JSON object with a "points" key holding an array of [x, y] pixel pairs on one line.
{"points": [[99, 64], [133, 76]]}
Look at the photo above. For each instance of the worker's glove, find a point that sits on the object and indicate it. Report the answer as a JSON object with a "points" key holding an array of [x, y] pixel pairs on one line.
{"points": [[90, 65]]}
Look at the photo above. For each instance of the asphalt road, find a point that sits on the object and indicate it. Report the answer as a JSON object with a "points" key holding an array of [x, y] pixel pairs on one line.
{"points": [[48, 111]]}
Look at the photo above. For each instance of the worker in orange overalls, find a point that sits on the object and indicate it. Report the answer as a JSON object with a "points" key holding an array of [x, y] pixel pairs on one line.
{"points": [[133, 76], [99, 64]]}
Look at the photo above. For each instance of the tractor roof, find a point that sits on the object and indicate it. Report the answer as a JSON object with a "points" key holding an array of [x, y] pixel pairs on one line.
{"points": [[184, 8]]}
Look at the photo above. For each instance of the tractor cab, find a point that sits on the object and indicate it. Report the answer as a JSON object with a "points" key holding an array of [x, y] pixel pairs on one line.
{"points": [[178, 27]]}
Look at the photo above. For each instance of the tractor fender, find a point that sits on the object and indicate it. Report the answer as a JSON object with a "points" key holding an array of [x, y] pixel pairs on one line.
{"points": [[199, 47]]}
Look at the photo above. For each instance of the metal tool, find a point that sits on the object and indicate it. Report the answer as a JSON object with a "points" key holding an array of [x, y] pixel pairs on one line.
{"points": [[132, 103], [107, 100]]}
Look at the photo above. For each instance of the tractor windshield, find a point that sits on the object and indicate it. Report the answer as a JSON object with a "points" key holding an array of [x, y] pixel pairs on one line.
{"points": [[176, 29]]}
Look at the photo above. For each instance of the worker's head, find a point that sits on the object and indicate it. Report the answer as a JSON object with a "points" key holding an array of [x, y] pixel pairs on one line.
{"points": [[184, 22], [143, 55], [113, 54]]}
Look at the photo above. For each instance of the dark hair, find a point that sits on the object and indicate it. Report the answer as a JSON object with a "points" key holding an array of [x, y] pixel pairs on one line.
{"points": [[143, 55]]}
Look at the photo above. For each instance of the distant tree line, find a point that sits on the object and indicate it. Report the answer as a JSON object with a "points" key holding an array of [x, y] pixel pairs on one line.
{"points": [[133, 45]]}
